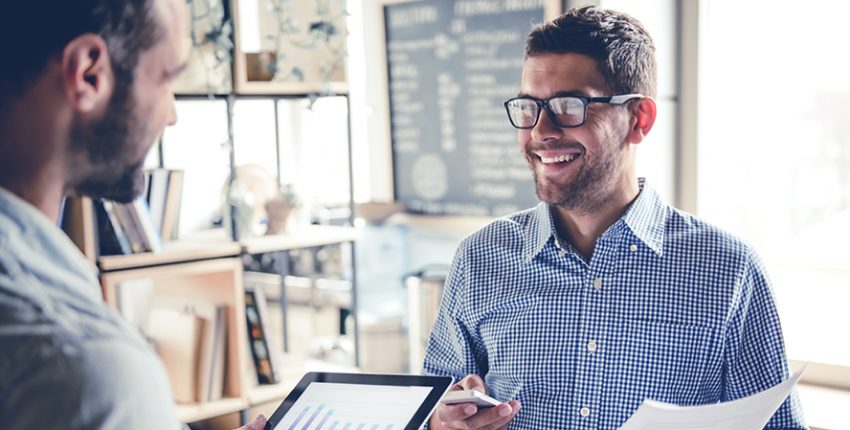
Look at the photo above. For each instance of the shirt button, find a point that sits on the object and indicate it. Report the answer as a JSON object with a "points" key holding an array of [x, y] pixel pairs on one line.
{"points": [[584, 412], [562, 252], [633, 247], [597, 283], [591, 346]]}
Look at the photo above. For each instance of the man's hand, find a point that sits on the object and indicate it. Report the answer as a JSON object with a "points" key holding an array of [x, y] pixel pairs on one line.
{"points": [[258, 424], [466, 416]]}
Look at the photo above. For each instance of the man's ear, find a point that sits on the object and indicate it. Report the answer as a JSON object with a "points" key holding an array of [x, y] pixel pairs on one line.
{"points": [[643, 117], [87, 73]]}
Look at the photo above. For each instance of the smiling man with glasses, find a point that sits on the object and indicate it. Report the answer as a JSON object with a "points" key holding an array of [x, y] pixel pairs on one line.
{"points": [[575, 311]]}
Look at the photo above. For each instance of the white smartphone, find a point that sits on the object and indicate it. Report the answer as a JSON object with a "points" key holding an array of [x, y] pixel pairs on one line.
{"points": [[470, 396]]}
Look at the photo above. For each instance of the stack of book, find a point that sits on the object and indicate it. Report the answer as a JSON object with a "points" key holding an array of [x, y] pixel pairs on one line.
{"points": [[142, 226], [163, 191], [191, 341]]}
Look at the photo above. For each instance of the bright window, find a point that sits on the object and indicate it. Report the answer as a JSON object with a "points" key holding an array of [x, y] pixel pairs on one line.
{"points": [[774, 156], [197, 145]]}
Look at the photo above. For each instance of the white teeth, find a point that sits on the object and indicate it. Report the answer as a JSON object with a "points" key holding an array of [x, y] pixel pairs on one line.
{"points": [[558, 159]]}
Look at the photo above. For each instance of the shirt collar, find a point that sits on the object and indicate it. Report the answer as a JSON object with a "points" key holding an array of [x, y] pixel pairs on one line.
{"points": [[33, 238], [645, 218]]}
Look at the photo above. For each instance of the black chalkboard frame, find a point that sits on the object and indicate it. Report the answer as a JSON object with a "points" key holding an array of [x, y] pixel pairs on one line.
{"points": [[551, 9]]}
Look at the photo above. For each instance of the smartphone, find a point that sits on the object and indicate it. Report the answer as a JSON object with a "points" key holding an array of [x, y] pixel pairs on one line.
{"points": [[470, 396]]}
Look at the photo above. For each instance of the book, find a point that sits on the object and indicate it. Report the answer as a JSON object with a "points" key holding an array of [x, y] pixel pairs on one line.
{"points": [[219, 355], [157, 194], [110, 234], [141, 216], [133, 299], [210, 371], [132, 230], [176, 335], [171, 209], [264, 363]]}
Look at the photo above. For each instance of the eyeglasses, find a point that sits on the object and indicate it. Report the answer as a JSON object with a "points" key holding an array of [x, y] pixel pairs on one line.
{"points": [[563, 111]]}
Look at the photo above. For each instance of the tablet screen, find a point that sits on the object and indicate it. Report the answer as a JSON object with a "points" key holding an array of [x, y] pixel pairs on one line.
{"points": [[330, 406], [327, 401]]}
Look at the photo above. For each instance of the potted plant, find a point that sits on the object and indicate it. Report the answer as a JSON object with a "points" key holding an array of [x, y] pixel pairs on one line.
{"points": [[278, 209]]}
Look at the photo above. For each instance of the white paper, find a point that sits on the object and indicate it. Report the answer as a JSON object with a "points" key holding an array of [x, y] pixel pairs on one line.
{"points": [[748, 413]]}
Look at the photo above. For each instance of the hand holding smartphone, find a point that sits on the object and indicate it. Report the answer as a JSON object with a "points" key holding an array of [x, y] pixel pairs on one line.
{"points": [[470, 396]]}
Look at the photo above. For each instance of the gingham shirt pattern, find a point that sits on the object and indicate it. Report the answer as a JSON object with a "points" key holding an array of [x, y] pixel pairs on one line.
{"points": [[668, 308]]}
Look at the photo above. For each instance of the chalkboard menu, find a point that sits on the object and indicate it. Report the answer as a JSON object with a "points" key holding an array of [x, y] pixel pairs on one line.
{"points": [[451, 65]]}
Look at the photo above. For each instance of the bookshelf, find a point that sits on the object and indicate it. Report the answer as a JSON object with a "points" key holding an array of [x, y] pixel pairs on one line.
{"points": [[204, 246], [216, 281], [203, 411], [208, 267]]}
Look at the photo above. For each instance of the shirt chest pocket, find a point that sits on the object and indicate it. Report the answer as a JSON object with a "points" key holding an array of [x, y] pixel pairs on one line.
{"points": [[530, 339], [665, 361]]}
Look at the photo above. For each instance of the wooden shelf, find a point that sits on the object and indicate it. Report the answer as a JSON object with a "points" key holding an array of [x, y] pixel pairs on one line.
{"points": [[268, 393], [201, 411], [204, 246], [215, 281], [311, 61], [304, 237]]}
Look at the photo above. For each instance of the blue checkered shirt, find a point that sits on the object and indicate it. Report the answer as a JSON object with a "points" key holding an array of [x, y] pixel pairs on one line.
{"points": [[668, 308]]}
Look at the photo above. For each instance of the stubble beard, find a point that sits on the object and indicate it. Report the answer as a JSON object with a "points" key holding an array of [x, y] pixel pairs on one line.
{"points": [[590, 189], [106, 151]]}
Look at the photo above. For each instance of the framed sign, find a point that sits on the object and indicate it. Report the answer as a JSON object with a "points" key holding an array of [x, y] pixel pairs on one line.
{"points": [[450, 66]]}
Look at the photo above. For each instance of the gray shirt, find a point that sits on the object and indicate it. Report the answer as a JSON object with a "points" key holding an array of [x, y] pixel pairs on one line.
{"points": [[67, 361]]}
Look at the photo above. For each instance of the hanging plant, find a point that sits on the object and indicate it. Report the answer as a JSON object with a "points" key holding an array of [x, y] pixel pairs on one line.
{"points": [[321, 35], [211, 34]]}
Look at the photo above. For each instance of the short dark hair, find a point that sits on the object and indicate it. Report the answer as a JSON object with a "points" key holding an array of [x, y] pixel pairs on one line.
{"points": [[33, 32], [621, 46]]}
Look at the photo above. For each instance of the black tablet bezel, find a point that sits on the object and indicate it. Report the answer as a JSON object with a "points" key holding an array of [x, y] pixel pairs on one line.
{"points": [[439, 385]]}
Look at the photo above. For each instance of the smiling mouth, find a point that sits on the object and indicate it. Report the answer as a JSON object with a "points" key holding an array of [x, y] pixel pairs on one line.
{"points": [[565, 158]]}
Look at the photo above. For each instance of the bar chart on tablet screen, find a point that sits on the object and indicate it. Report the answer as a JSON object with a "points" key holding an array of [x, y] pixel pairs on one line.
{"points": [[333, 406]]}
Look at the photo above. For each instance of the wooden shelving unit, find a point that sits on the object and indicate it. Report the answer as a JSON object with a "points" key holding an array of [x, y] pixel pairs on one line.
{"points": [[207, 267], [216, 281], [209, 245], [192, 413]]}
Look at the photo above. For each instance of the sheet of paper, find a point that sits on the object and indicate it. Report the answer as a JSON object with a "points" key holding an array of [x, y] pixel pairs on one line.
{"points": [[748, 413]]}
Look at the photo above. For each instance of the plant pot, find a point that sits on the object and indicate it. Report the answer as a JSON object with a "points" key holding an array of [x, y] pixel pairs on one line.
{"points": [[277, 212]]}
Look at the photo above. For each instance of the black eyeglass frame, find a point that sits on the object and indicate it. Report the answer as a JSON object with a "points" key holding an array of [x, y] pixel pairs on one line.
{"points": [[544, 105]]}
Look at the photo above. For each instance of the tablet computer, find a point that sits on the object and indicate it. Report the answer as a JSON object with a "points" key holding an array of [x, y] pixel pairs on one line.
{"points": [[359, 401]]}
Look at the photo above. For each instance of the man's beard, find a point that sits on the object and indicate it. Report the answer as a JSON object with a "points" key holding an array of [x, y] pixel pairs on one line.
{"points": [[591, 187], [106, 151]]}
